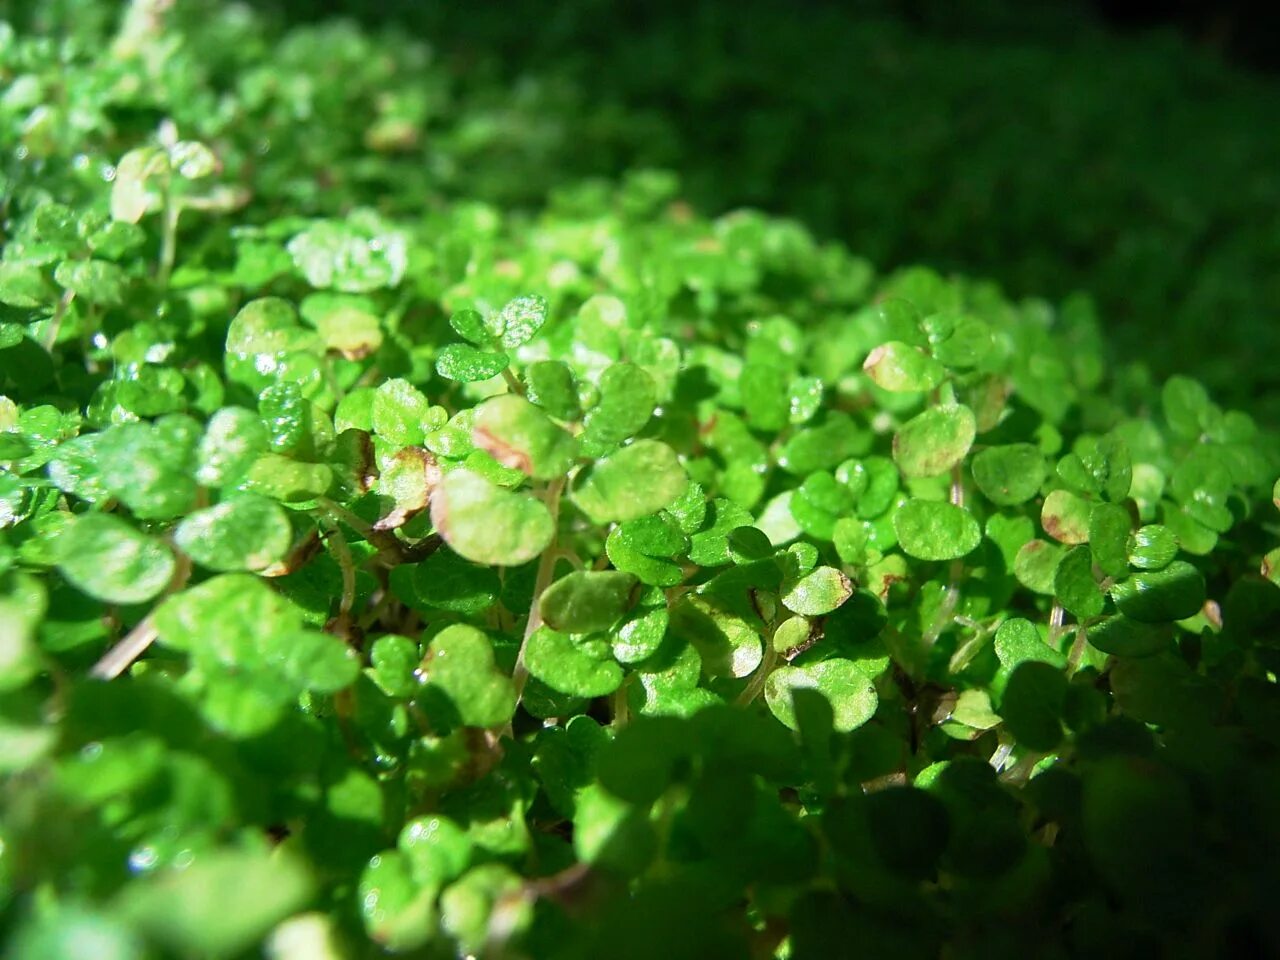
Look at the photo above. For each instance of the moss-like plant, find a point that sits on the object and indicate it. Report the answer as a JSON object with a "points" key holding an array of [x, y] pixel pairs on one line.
{"points": [[383, 573]]}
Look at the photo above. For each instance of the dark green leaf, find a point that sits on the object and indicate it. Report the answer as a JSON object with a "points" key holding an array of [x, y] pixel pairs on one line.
{"points": [[587, 600], [1010, 474]]}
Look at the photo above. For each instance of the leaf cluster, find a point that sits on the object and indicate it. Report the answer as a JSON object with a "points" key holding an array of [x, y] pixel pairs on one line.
{"points": [[379, 575]]}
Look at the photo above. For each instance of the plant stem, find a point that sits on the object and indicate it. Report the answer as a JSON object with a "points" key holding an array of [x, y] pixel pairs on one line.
{"points": [[117, 660], [168, 236], [135, 643], [346, 564], [546, 568], [767, 663], [1056, 617], [513, 384]]}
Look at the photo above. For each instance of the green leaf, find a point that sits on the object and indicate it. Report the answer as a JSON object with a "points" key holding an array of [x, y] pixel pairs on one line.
{"points": [[398, 912], [220, 904], [639, 479], [402, 415], [356, 255], [251, 644], [469, 324], [1036, 565], [818, 592], [61, 933], [628, 551], [1017, 640], [764, 395], [466, 364], [583, 668], [1075, 586], [842, 683], [728, 644], [1065, 517], [1010, 474], [1187, 407], [1123, 637], [111, 561], [24, 285], [747, 544], [1109, 465], [459, 666], [550, 385], [519, 435], [467, 906], [641, 633], [609, 833], [710, 547], [931, 530], [586, 601], [347, 324], [244, 532], [1109, 526], [627, 395], [964, 343], [286, 480], [519, 321], [97, 281], [823, 444], [150, 467], [487, 524], [437, 848], [448, 582], [901, 368], [934, 441], [1173, 593], [394, 661], [1032, 705]]}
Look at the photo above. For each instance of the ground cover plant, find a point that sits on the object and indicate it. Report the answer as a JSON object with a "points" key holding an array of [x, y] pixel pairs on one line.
{"points": [[386, 571], [1018, 141]]}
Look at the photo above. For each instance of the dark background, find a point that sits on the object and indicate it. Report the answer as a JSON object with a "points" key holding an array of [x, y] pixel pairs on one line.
{"points": [[1244, 32]]}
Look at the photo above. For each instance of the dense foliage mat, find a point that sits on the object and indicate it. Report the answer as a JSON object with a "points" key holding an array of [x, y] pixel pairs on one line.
{"points": [[1016, 141], [382, 570]]}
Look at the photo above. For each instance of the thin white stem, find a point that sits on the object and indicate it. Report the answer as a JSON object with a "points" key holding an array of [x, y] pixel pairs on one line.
{"points": [[169, 235], [118, 659], [135, 643]]}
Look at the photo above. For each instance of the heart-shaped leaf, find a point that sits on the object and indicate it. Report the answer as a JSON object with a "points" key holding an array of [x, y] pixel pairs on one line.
{"points": [[584, 668], [459, 667], [842, 683]]}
